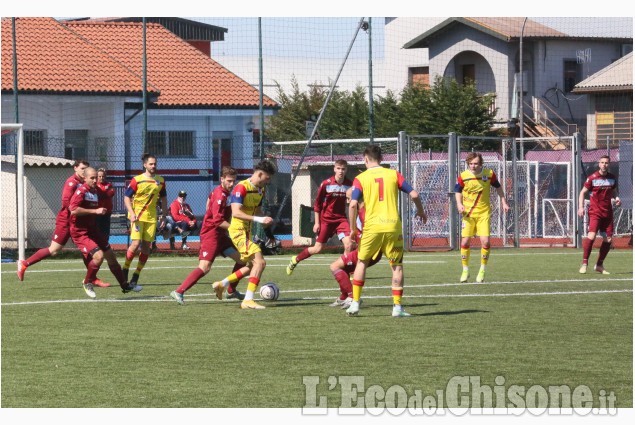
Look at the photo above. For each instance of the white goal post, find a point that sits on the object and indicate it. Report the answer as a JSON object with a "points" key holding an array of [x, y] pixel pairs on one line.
{"points": [[19, 165]]}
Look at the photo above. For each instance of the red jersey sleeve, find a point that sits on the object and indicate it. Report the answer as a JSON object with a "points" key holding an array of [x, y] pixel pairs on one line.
{"points": [[76, 199], [319, 199], [68, 191], [216, 208]]}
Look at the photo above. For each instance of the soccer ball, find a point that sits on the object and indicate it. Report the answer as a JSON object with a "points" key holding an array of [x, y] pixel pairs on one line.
{"points": [[269, 291]]}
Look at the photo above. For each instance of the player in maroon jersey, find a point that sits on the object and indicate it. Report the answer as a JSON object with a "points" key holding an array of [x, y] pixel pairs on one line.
{"points": [[344, 266], [105, 193], [62, 232], [603, 186], [92, 243], [215, 240], [330, 214]]}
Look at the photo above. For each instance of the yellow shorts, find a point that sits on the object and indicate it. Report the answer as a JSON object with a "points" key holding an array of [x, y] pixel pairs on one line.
{"points": [[143, 230], [391, 244], [471, 226], [245, 246]]}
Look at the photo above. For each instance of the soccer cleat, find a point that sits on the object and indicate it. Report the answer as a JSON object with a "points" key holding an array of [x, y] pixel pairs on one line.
{"points": [[234, 295], [341, 303], [353, 309], [251, 304], [465, 276], [583, 268], [132, 287], [398, 311], [218, 289], [177, 297], [292, 264], [600, 269], [480, 277], [101, 283], [21, 269], [88, 288], [185, 247]]}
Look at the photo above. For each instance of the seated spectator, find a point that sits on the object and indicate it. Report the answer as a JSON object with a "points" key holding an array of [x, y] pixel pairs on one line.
{"points": [[181, 220]]}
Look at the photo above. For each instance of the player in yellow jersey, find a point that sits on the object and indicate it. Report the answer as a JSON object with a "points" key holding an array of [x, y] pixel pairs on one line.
{"points": [[246, 199], [379, 188], [140, 199], [472, 194]]}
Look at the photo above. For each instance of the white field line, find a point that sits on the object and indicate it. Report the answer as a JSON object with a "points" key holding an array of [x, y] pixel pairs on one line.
{"points": [[210, 297]]}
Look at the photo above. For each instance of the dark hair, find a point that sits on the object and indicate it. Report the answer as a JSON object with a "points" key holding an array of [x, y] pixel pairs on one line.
{"points": [[81, 161], [605, 156], [341, 162], [228, 171], [472, 155], [373, 152], [146, 156], [266, 166]]}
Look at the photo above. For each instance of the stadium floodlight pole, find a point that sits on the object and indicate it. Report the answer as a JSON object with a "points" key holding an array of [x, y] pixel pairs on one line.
{"points": [[315, 127], [260, 88], [145, 87]]}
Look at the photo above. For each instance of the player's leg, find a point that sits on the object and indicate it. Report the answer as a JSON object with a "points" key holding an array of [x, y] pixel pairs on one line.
{"points": [[258, 266], [369, 245], [468, 229], [115, 267], [230, 282], [587, 243], [339, 270], [148, 231], [204, 266], [326, 232], [393, 248], [607, 227], [135, 243], [343, 232], [61, 235]]}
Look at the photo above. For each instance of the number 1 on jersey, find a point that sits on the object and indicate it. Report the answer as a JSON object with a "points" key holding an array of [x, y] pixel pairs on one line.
{"points": [[380, 182]]}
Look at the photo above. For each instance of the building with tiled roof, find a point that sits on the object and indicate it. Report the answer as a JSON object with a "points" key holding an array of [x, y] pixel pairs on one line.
{"points": [[557, 55], [80, 92], [609, 102]]}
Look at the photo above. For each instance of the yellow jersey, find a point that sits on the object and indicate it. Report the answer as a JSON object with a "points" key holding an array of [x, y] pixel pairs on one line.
{"points": [[379, 187], [145, 192], [476, 191], [250, 197]]}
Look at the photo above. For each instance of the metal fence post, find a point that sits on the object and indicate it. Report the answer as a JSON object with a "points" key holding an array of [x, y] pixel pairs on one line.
{"points": [[577, 172], [452, 177], [404, 206], [515, 193]]}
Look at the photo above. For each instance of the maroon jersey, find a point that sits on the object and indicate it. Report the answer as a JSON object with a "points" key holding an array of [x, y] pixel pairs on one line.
{"points": [[218, 210], [87, 198], [105, 193], [330, 202], [601, 188], [64, 215]]}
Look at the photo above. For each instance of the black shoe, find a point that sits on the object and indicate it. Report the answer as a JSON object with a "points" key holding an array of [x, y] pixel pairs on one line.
{"points": [[132, 287]]}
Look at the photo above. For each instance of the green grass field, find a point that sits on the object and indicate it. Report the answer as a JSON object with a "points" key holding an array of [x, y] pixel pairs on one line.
{"points": [[535, 321]]}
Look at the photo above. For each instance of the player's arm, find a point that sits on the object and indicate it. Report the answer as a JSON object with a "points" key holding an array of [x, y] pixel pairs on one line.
{"points": [[237, 212], [127, 200], [583, 193], [163, 198], [458, 195], [317, 208], [353, 208], [499, 190], [616, 199], [406, 187]]}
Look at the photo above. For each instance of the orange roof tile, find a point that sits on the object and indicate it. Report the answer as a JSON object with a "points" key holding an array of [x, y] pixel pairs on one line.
{"points": [[183, 74], [52, 58]]}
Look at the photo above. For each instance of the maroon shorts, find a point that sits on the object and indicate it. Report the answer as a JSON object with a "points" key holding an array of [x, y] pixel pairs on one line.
{"points": [[62, 232], [89, 240], [328, 229], [601, 224], [350, 261], [213, 245]]}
